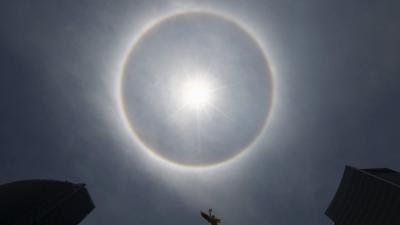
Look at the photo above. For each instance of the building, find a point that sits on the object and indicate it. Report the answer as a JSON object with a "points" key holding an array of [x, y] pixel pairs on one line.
{"points": [[43, 202], [366, 197]]}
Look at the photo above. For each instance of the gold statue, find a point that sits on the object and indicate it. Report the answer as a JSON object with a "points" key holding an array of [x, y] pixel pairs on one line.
{"points": [[212, 219]]}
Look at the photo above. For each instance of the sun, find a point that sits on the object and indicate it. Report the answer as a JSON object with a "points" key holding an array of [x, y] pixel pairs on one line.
{"points": [[196, 93]]}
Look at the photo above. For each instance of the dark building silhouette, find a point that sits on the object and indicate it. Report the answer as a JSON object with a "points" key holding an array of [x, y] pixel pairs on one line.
{"points": [[366, 197], [43, 202]]}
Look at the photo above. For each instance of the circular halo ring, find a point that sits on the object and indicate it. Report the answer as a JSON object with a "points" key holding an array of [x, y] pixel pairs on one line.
{"points": [[120, 97]]}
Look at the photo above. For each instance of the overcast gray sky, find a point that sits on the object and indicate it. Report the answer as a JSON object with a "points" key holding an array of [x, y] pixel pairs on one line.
{"points": [[336, 69]]}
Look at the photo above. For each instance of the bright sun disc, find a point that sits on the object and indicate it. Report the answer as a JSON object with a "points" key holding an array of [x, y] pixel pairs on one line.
{"points": [[196, 93]]}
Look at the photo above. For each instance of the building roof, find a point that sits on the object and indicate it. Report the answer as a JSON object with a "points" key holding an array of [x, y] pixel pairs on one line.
{"points": [[43, 202], [366, 197]]}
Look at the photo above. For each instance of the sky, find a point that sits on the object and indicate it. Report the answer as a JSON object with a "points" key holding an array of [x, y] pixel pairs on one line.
{"points": [[335, 66]]}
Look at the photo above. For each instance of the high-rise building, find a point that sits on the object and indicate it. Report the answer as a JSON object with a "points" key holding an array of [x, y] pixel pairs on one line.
{"points": [[43, 202], [366, 197]]}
